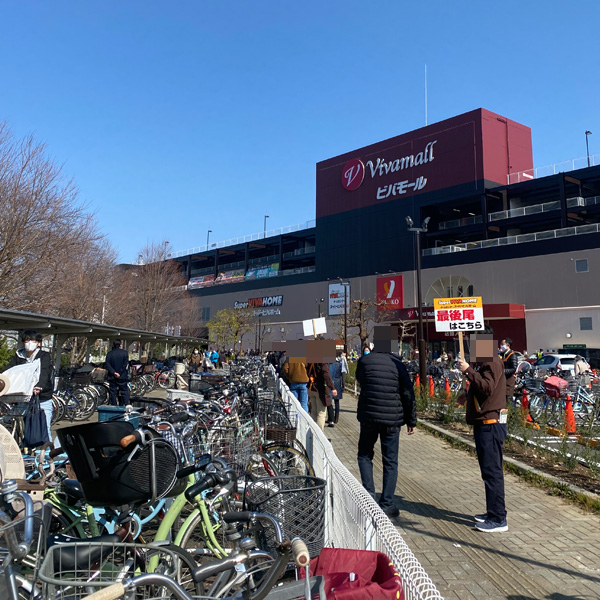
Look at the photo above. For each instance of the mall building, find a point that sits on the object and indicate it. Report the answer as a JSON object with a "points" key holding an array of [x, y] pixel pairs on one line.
{"points": [[526, 240]]}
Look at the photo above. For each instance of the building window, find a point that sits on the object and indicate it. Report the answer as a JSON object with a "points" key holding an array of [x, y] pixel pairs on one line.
{"points": [[450, 286], [205, 316], [585, 323], [581, 266]]}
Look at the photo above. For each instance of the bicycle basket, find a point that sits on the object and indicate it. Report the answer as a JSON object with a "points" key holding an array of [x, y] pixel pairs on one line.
{"points": [[297, 502], [113, 476]]}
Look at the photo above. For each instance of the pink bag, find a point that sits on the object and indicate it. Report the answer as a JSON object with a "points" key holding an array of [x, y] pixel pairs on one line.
{"points": [[554, 386]]}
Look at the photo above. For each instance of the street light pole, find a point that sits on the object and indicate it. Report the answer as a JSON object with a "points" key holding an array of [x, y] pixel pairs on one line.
{"points": [[421, 341], [345, 284], [587, 145], [265, 227]]}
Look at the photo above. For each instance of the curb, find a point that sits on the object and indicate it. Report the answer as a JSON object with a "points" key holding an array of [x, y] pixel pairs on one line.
{"points": [[519, 467]]}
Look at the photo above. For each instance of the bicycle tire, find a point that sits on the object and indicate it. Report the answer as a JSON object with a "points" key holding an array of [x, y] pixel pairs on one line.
{"points": [[288, 460], [259, 466], [87, 405], [181, 571]]}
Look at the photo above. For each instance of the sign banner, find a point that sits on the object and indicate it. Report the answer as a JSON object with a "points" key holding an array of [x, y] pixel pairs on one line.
{"points": [[202, 281], [230, 276], [458, 314], [263, 272], [336, 299], [390, 293]]}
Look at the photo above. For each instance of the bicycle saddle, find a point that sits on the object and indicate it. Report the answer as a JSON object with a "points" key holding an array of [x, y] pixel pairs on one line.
{"points": [[80, 554], [72, 490]]}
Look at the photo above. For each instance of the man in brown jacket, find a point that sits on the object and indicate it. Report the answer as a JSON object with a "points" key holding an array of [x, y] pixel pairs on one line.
{"points": [[486, 411], [295, 373]]}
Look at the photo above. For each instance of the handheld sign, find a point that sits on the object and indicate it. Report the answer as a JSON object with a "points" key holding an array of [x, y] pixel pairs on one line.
{"points": [[458, 315], [314, 327]]}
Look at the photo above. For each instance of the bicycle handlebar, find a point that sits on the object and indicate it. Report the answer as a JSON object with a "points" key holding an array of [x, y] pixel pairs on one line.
{"points": [[300, 552], [112, 592]]}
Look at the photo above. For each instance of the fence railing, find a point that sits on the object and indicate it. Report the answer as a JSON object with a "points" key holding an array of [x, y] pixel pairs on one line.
{"points": [[561, 167], [354, 519]]}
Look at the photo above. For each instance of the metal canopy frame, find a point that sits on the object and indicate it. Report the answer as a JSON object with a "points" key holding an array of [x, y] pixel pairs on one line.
{"points": [[62, 328]]}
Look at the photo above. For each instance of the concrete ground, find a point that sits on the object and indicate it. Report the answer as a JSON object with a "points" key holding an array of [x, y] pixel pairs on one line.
{"points": [[552, 548]]}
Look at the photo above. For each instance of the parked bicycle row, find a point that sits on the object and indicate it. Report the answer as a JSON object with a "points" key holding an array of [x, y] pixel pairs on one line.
{"points": [[209, 496]]}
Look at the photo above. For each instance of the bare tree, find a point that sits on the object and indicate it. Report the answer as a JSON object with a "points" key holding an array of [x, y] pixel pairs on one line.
{"points": [[41, 221], [228, 326]]}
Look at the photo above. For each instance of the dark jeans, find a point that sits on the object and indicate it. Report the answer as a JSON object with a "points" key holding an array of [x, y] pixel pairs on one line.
{"points": [[120, 387], [488, 442], [369, 432]]}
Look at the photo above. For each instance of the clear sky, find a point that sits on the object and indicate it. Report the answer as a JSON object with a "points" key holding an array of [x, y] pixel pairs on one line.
{"points": [[175, 117]]}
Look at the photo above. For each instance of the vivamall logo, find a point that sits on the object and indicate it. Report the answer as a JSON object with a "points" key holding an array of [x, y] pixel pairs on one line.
{"points": [[388, 288], [353, 174]]}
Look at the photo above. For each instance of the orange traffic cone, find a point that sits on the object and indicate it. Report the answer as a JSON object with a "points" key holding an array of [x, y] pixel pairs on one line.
{"points": [[525, 407], [447, 393], [417, 381], [569, 417], [431, 387]]}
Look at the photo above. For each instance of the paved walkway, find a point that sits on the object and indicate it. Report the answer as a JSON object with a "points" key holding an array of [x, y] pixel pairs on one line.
{"points": [[552, 548]]}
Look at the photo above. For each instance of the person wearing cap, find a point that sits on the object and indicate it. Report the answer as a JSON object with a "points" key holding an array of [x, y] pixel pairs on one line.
{"points": [[117, 364], [486, 411]]}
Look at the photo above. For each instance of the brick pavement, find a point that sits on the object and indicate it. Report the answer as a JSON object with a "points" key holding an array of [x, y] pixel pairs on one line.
{"points": [[552, 548]]}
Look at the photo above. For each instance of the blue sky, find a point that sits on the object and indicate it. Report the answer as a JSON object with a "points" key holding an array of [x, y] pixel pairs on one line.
{"points": [[178, 117]]}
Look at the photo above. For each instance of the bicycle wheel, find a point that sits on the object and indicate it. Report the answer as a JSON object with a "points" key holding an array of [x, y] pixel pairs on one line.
{"points": [[58, 409], [260, 465], [179, 565], [87, 405], [166, 380], [288, 460], [538, 407]]}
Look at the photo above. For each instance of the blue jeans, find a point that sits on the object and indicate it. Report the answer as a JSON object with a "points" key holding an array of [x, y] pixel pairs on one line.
{"points": [[489, 440], [300, 390], [389, 436], [47, 407]]}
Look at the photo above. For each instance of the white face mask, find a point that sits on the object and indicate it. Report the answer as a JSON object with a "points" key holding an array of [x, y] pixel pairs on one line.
{"points": [[195, 351], [30, 346], [503, 348]]}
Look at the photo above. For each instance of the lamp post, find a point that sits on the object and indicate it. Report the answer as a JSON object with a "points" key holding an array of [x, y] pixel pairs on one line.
{"points": [[208, 237], [587, 145], [345, 284], [318, 302], [421, 341], [265, 227]]}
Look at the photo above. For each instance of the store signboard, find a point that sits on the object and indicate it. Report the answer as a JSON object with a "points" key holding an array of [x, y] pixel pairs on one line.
{"points": [[458, 314], [336, 298], [390, 295]]}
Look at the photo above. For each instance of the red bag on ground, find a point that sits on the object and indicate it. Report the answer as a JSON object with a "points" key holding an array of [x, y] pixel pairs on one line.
{"points": [[357, 575], [554, 386]]}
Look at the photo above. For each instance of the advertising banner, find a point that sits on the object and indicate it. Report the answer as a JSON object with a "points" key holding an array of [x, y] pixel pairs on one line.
{"points": [[230, 276], [200, 282], [390, 293], [263, 272], [458, 314], [336, 299]]}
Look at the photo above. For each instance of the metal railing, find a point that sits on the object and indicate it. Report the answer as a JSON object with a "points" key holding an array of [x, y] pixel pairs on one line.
{"points": [[461, 222], [561, 167], [246, 238], [353, 518], [515, 239]]}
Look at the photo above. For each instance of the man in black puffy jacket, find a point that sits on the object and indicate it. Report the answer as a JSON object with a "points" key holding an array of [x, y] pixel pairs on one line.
{"points": [[386, 402]]}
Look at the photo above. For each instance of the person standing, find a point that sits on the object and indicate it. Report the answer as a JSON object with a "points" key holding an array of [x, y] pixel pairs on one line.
{"points": [[117, 364], [320, 390], [386, 402], [194, 360], [214, 359], [333, 410], [31, 351], [486, 411], [295, 373], [509, 358]]}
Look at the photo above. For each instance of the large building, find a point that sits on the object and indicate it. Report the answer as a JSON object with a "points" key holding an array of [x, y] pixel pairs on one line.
{"points": [[526, 243]]}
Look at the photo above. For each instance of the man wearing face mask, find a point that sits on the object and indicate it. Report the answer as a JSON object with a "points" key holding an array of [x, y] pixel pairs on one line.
{"points": [[509, 358], [194, 360], [32, 344], [486, 411]]}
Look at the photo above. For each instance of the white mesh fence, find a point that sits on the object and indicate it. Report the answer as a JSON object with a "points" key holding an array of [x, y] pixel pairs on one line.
{"points": [[354, 519]]}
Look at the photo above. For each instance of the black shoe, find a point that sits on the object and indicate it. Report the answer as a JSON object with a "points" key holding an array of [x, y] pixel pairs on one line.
{"points": [[330, 424], [336, 418], [391, 511], [481, 518]]}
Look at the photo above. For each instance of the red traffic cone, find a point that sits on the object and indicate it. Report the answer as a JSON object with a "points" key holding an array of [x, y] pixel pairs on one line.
{"points": [[417, 381], [569, 417], [431, 387], [447, 393]]}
